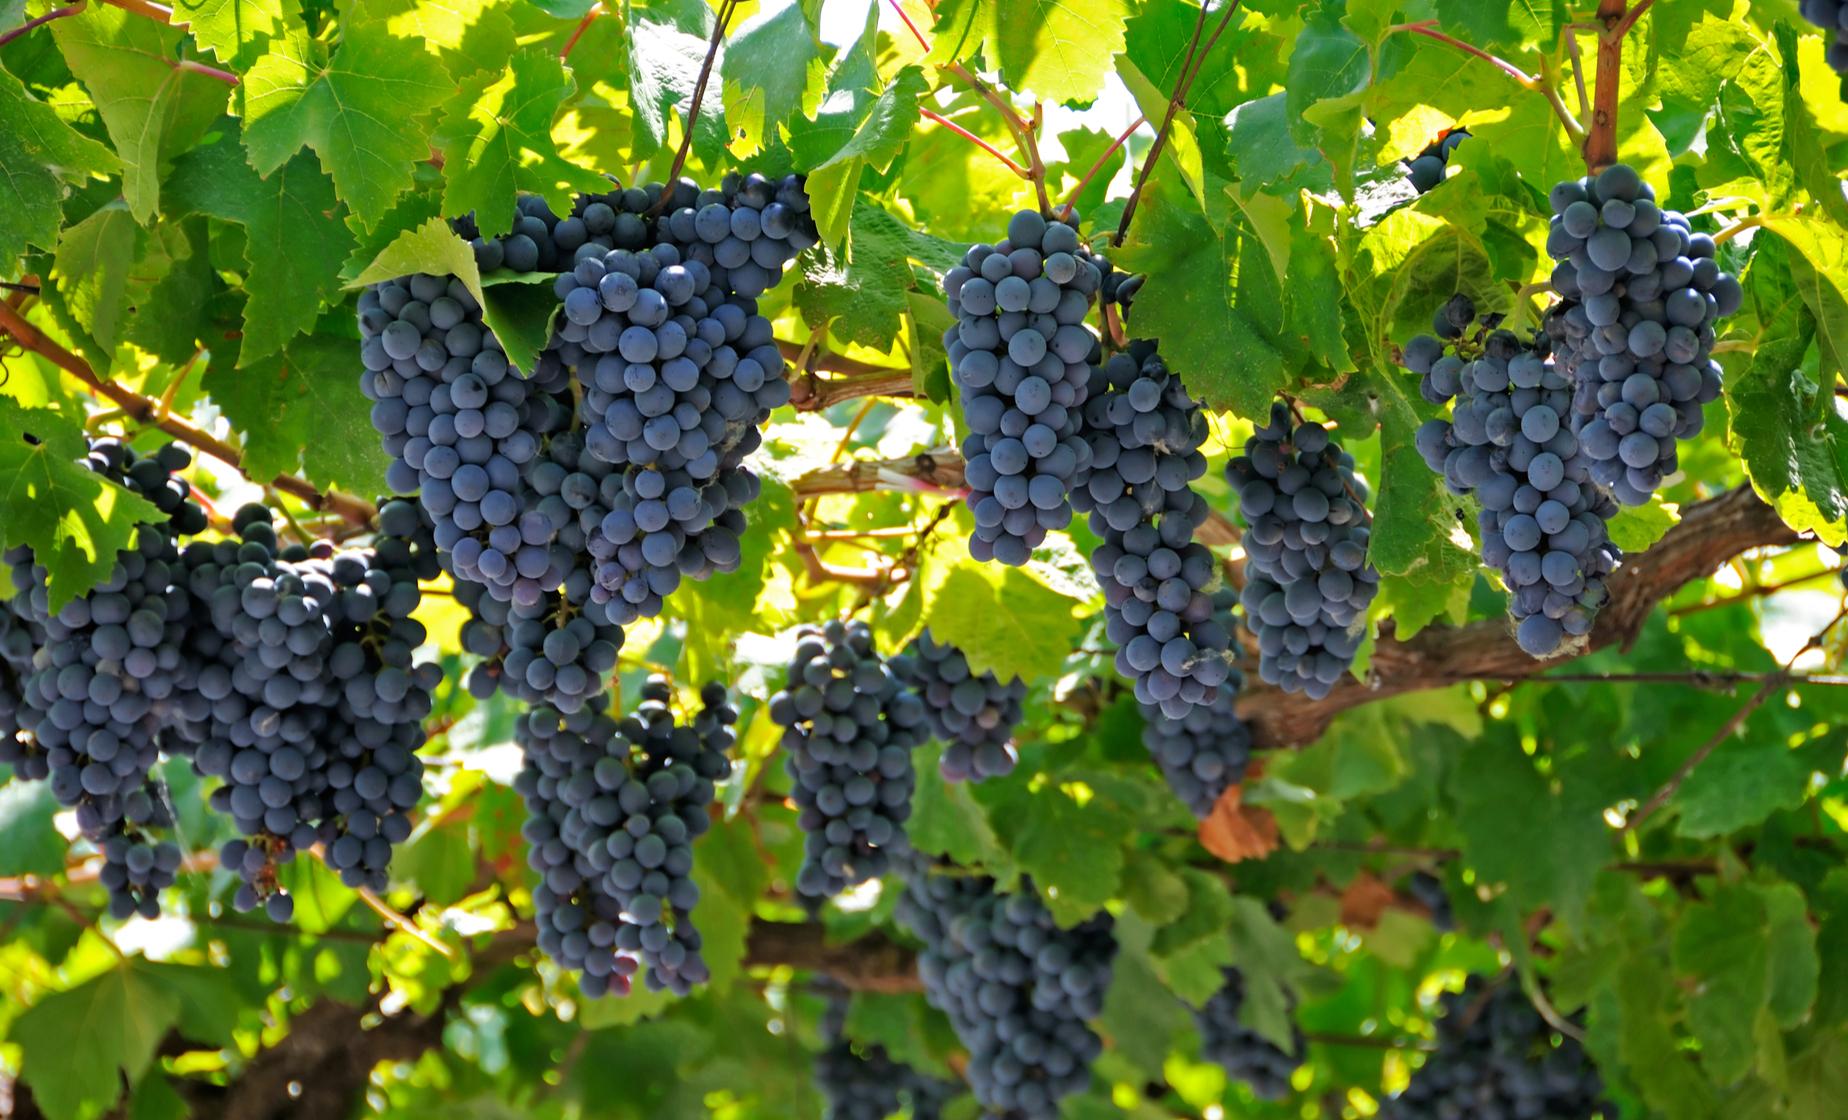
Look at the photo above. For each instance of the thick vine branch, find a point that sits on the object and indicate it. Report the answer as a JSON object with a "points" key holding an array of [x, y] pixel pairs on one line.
{"points": [[1600, 146], [144, 411]]}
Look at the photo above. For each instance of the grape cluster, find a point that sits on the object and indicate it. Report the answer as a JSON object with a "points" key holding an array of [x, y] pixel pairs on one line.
{"points": [[1144, 431], [1635, 329], [1308, 581], [1209, 748], [107, 671], [1017, 988], [316, 701], [1428, 891], [1497, 1057], [1831, 16], [1243, 1053], [1022, 361], [613, 809], [974, 715], [19, 637], [850, 726], [1544, 521], [1426, 169], [864, 1082]]}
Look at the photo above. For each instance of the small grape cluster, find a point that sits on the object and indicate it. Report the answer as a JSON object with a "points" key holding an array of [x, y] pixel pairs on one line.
{"points": [[1144, 431], [1243, 1053], [1207, 750], [1022, 360], [849, 728], [1426, 169], [1831, 17], [19, 637], [973, 714], [613, 809], [1308, 581], [106, 673], [1544, 521], [864, 1082], [1642, 294], [1497, 1057], [1017, 988], [1428, 891]]}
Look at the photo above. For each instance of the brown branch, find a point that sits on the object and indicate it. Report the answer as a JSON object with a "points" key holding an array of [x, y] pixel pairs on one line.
{"points": [[148, 412], [54, 14], [1709, 534], [1600, 147], [873, 963], [937, 471], [1190, 69], [1630, 18]]}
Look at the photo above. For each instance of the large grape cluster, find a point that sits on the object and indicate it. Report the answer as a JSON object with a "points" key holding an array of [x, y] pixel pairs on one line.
{"points": [[1022, 361], [1831, 16], [109, 671], [613, 809], [1243, 1053], [850, 726], [974, 714], [1144, 431], [1308, 581], [1016, 987], [1208, 749], [1497, 1057], [1635, 329], [1544, 521], [19, 637]]}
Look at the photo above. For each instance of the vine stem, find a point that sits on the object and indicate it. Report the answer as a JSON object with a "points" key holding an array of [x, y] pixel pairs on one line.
{"points": [[1022, 128], [1071, 199], [193, 66], [160, 13], [727, 8], [577, 33], [1774, 683], [1537, 84], [54, 14], [1191, 63], [1012, 165], [1600, 147], [145, 411], [1750, 222], [899, 9]]}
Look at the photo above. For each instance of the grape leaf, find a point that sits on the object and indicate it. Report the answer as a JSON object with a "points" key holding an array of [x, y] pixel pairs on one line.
{"points": [[1745, 780], [945, 821], [668, 40], [120, 1016], [497, 142], [41, 154], [468, 35], [29, 843], [773, 70], [362, 110], [1215, 346], [1072, 845], [74, 520], [234, 29], [876, 139], [1140, 1015], [1501, 23], [302, 409], [1156, 41], [1720, 950], [1502, 804], [1635, 528], [152, 109], [1059, 50], [1006, 622], [93, 267], [865, 302], [170, 318], [294, 240], [1796, 968]]}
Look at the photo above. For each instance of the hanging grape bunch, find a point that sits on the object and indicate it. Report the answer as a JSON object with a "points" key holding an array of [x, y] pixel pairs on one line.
{"points": [[1831, 16], [1022, 361], [1641, 294], [1209, 748], [974, 714], [1242, 1052], [850, 726], [1308, 581], [1426, 169], [1508, 441]]}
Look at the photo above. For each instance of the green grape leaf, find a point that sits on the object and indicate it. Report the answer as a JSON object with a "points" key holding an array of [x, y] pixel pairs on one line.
{"points": [[865, 302], [302, 409], [1183, 146], [1072, 845], [29, 843], [1720, 950], [152, 110], [95, 265], [206, 1000], [1796, 967], [1418, 525], [1058, 50], [1140, 1015], [120, 1016], [1215, 346], [773, 69], [74, 520], [233, 29], [1501, 23], [173, 315], [1156, 41], [1804, 147], [946, 821], [41, 154], [497, 142], [1502, 804], [875, 141], [468, 35], [1635, 528], [1745, 780], [1003, 619], [362, 110], [1271, 968], [1794, 445], [730, 877], [294, 240], [1329, 73], [668, 40]]}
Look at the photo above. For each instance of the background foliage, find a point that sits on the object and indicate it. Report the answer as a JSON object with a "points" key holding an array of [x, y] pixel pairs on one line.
{"points": [[191, 197]]}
